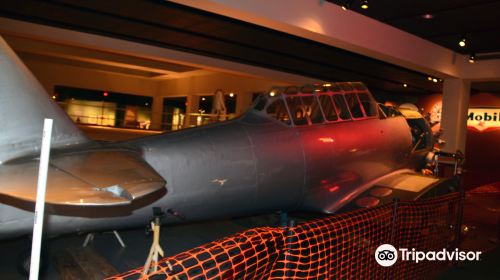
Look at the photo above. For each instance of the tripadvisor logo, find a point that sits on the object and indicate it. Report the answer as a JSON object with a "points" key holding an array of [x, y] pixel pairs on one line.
{"points": [[387, 255]]}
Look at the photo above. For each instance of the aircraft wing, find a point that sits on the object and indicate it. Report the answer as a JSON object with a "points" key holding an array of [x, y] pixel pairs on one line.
{"points": [[84, 178], [403, 184]]}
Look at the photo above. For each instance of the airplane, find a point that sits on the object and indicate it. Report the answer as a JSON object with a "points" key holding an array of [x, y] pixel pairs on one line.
{"points": [[314, 148]]}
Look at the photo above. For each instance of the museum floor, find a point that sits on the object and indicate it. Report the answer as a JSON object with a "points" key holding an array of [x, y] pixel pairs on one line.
{"points": [[481, 217]]}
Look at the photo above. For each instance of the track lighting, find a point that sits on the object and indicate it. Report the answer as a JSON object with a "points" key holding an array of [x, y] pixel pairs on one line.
{"points": [[427, 16], [346, 5], [364, 4], [461, 43], [472, 58]]}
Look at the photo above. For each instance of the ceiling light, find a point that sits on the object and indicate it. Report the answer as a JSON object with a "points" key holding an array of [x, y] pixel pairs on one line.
{"points": [[53, 97], [427, 16], [346, 5], [472, 58], [435, 80], [231, 94], [327, 85], [429, 78], [461, 43], [203, 99], [272, 93], [364, 4], [405, 85]]}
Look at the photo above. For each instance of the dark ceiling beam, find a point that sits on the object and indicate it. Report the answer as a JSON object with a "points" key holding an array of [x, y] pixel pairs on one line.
{"points": [[466, 33], [169, 25], [261, 39], [447, 8]]}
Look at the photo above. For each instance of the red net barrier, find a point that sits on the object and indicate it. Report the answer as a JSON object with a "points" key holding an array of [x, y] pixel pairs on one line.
{"points": [[337, 247]]}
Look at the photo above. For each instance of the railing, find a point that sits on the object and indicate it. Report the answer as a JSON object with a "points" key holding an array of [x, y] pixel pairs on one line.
{"points": [[337, 247], [110, 115]]}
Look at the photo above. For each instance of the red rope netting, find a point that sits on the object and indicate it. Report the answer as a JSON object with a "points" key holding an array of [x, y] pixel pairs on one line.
{"points": [[337, 247]]}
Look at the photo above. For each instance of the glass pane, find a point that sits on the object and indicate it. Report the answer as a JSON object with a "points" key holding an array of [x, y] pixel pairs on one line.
{"points": [[328, 108], [354, 106], [382, 111], [312, 109], [341, 106], [368, 104], [261, 103], [297, 110], [277, 110]]}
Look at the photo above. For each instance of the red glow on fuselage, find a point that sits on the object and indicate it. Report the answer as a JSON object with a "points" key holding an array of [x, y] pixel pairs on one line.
{"points": [[326, 139], [333, 188]]}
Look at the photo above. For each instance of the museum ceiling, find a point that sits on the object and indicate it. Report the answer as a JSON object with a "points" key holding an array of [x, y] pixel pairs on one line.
{"points": [[444, 22], [200, 32]]}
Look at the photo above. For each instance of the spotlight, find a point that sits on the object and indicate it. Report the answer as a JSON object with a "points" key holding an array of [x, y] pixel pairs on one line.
{"points": [[461, 43], [427, 16], [203, 99], [429, 78], [346, 5], [53, 97], [364, 4], [472, 58], [405, 85], [231, 94], [272, 93], [435, 80], [327, 85]]}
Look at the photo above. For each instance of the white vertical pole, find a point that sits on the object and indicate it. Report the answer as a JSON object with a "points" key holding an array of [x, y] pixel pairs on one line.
{"points": [[40, 199]]}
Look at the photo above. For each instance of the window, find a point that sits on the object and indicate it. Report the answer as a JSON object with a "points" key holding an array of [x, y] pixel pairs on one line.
{"points": [[368, 104], [312, 109], [381, 112], [389, 111], [297, 110], [354, 105], [261, 103], [341, 105], [328, 108], [277, 110]]}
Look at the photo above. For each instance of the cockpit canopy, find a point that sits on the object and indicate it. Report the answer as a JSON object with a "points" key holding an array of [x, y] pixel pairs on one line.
{"points": [[315, 104]]}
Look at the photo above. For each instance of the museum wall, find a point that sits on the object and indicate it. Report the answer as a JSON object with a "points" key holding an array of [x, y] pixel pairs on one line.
{"points": [[481, 149], [242, 86], [427, 102], [51, 74]]}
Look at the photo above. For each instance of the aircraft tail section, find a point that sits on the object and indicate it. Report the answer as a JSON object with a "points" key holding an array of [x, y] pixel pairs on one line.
{"points": [[24, 104]]}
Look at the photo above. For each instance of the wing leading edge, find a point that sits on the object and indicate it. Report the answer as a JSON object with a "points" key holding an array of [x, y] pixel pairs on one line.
{"points": [[84, 178]]}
